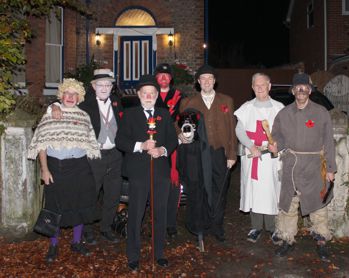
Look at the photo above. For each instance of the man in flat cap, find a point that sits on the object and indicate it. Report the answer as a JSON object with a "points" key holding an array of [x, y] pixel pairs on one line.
{"points": [[134, 138], [169, 98], [303, 130], [219, 120]]}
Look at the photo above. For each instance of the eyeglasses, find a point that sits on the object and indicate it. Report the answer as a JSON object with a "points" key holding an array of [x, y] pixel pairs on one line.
{"points": [[301, 89], [106, 86]]}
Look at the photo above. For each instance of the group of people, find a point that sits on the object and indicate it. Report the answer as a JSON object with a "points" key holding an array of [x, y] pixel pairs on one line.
{"points": [[86, 143], [274, 188]]}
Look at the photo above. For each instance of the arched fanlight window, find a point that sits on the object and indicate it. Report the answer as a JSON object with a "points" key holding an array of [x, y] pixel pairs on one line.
{"points": [[135, 17]]}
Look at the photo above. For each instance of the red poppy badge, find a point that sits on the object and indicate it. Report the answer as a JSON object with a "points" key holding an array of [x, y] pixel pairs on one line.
{"points": [[309, 123], [224, 108], [121, 114], [114, 103], [158, 118]]}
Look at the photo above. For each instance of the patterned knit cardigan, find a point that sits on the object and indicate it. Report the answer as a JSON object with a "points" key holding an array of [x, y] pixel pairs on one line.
{"points": [[74, 130]]}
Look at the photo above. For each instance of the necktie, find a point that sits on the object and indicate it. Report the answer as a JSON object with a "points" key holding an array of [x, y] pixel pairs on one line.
{"points": [[150, 113]]}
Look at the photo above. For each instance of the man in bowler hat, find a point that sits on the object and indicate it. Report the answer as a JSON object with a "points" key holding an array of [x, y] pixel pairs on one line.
{"points": [[134, 140], [217, 110]]}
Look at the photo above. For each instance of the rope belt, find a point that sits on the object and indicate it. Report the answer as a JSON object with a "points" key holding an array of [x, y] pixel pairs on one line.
{"points": [[323, 166]]}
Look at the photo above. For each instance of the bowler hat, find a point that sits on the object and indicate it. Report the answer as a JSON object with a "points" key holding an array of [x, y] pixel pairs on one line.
{"points": [[103, 74], [205, 69], [148, 80], [163, 68], [301, 79]]}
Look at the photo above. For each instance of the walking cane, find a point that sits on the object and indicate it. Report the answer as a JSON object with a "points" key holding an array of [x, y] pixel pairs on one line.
{"points": [[151, 132]]}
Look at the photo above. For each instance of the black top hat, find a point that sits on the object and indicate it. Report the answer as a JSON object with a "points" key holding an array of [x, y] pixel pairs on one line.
{"points": [[163, 68], [301, 79], [205, 69], [149, 80]]}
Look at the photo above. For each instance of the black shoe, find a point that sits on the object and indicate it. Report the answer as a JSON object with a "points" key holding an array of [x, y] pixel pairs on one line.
{"points": [[322, 251], [109, 236], [254, 235], [162, 262], [89, 238], [134, 265], [284, 249], [219, 237], [52, 253], [80, 248], [275, 239], [172, 232]]}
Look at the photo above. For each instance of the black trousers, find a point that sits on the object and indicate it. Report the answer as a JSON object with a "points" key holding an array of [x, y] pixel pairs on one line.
{"points": [[172, 205], [107, 175], [139, 193], [220, 185]]}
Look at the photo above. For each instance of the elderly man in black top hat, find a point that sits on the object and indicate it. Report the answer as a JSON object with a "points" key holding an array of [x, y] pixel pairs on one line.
{"points": [[169, 98], [104, 110], [146, 132], [304, 130]]}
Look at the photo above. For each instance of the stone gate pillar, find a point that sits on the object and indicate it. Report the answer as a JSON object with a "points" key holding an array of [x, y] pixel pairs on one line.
{"points": [[20, 192], [338, 208]]}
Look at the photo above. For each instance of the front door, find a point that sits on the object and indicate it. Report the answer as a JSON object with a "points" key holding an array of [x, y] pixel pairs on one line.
{"points": [[135, 60]]}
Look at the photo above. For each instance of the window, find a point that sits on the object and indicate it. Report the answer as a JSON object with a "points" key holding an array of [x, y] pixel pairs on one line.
{"points": [[54, 48], [310, 14], [345, 7]]}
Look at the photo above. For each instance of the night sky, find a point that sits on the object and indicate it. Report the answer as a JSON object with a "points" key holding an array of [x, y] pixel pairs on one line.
{"points": [[251, 34]]}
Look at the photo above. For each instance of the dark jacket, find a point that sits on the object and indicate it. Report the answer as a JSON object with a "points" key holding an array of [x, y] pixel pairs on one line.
{"points": [[133, 128], [90, 105]]}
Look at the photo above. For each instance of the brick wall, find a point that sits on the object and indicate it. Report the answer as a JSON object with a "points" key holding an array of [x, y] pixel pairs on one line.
{"points": [[185, 16], [338, 30], [307, 45], [35, 55]]}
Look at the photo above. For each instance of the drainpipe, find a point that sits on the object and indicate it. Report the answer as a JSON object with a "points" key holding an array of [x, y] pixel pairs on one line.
{"points": [[289, 13], [87, 33], [206, 31], [325, 35]]}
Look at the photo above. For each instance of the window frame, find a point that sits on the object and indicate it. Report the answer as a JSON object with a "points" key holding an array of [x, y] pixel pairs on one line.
{"points": [[60, 46], [310, 14], [345, 7]]}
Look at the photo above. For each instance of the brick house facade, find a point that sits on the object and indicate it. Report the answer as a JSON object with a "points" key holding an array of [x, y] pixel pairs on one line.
{"points": [[319, 34], [122, 47]]}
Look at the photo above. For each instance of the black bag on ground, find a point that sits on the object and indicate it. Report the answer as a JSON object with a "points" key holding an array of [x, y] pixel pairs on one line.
{"points": [[47, 223]]}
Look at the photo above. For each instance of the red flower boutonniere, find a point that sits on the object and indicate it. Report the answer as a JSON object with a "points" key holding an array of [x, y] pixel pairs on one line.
{"points": [[158, 118], [309, 123], [114, 103], [171, 103], [224, 108], [121, 114]]}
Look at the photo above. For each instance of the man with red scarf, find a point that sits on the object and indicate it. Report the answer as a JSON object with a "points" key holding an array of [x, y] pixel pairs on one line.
{"points": [[170, 98]]}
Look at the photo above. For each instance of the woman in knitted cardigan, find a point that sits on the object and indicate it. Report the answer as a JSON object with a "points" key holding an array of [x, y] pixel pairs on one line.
{"points": [[63, 147]]}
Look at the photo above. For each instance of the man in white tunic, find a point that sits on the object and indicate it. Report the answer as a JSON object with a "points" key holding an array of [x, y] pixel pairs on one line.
{"points": [[260, 186]]}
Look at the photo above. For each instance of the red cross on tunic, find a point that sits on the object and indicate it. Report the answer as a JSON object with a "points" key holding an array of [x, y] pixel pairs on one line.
{"points": [[259, 136]]}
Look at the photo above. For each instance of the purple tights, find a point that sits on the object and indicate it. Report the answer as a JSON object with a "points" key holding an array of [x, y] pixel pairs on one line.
{"points": [[77, 232]]}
